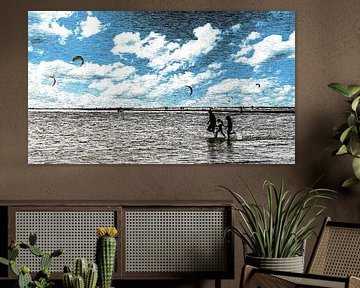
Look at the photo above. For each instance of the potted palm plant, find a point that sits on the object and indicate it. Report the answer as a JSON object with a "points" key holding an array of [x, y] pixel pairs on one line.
{"points": [[275, 233], [348, 132]]}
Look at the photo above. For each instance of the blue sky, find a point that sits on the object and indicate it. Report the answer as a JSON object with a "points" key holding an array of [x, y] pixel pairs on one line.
{"points": [[147, 59]]}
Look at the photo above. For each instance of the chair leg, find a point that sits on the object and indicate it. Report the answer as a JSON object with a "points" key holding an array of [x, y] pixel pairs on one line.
{"points": [[246, 274], [250, 278], [217, 282]]}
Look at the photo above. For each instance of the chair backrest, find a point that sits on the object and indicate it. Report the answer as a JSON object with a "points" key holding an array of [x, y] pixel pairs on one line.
{"points": [[337, 251]]}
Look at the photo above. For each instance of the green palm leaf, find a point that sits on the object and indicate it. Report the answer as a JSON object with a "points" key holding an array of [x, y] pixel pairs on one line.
{"points": [[279, 228]]}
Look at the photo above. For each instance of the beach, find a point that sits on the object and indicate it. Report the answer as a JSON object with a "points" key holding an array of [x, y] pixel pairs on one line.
{"points": [[158, 137]]}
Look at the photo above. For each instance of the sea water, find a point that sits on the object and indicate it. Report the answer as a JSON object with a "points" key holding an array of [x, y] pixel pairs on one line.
{"points": [[157, 137]]}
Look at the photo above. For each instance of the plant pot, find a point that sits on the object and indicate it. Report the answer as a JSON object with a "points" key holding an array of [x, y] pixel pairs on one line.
{"points": [[291, 264]]}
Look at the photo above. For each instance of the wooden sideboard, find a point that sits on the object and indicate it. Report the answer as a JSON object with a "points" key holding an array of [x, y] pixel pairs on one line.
{"points": [[157, 240]]}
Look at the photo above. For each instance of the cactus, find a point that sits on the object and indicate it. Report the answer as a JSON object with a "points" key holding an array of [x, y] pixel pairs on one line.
{"points": [[43, 274], [13, 253], [24, 280], [91, 276], [87, 272], [36, 251], [57, 253], [32, 238], [4, 261], [68, 280], [67, 269], [14, 268], [105, 255], [42, 278], [79, 282], [80, 267], [45, 261]]}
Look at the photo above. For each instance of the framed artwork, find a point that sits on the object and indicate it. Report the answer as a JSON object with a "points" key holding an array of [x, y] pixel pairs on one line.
{"points": [[161, 87]]}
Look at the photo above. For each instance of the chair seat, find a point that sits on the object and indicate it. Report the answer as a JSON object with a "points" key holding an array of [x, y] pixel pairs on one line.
{"points": [[267, 279], [315, 282]]}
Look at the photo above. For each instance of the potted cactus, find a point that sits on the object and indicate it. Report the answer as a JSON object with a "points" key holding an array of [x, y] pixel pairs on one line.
{"points": [[106, 254], [84, 275], [42, 278]]}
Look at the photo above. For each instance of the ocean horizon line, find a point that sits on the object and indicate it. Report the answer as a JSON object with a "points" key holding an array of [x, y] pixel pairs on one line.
{"points": [[241, 109]]}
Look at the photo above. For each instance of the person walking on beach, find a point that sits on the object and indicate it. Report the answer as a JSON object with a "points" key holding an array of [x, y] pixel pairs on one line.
{"points": [[219, 126], [121, 111], [229, 127], [212, 121]]}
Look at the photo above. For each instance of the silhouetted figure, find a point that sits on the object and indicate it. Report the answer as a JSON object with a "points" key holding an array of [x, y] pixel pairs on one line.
{"points": [[219, 126], [121, 111], [229, 127], [212, 121]]}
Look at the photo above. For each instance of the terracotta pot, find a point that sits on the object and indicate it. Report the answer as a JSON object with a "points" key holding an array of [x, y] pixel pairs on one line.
{"points": [[291, 264]]}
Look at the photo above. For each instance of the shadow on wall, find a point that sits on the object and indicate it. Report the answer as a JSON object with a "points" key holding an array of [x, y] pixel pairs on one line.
{"points": [[314, 151], [317, 148]]}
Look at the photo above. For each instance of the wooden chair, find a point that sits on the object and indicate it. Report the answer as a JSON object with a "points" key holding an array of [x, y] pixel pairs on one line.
{"points": [[335, 262]]}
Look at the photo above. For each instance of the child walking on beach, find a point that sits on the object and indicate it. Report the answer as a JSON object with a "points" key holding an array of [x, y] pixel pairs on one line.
{"points": [[219, 126]]}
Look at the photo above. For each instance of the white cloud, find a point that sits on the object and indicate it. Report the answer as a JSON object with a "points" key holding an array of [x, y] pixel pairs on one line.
{"points": [[70, 71], [206, 37], [101, 85], [91, 26], [150, 89], [74, 84], [48, 24], [179, 81], [214, 65], [244, 51], [136, 86], [151, 47], [246, 92], [122, 72], [243, 86], [120, 85], [235, 27], [93, 70], [127, 42], [171, 68], [162, 53], [116, 85], [253, 36], [50, 16], [114, 76], [244, 45], [270, 47]]}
